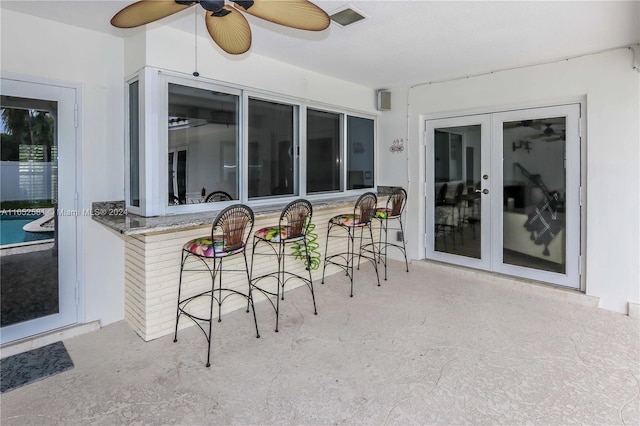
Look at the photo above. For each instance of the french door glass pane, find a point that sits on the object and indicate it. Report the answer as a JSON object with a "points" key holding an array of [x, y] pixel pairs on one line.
{"points": [[457, 185], [534, 189]]}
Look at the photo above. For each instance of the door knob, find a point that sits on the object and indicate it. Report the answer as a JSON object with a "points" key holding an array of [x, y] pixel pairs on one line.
{"points": [[485, 191]]}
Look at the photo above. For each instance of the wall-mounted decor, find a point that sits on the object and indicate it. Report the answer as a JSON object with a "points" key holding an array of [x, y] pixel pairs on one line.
{"points": [[397, 146]]}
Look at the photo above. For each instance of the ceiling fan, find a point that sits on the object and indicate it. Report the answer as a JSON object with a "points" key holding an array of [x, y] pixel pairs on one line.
{"points": [[534, 124], [226, 25], [549, 134]]}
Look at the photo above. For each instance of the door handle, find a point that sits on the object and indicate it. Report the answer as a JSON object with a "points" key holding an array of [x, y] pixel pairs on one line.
{"points": [[485, 191]]}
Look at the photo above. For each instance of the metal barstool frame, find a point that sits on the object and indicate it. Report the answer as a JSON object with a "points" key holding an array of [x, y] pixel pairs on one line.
{"points": [[297, 216], [214, 266], [363, 214], [393, 211]]}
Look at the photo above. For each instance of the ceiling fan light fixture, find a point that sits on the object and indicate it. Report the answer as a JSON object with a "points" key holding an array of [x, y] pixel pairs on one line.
{"points": [[347, 16], [228, 27]]}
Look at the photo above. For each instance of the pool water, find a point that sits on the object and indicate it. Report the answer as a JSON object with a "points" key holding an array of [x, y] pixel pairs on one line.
{"points": [[11, 231]]}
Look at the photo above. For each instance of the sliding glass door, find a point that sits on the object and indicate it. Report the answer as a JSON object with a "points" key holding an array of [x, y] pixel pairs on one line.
{"points": [[506, 192]]}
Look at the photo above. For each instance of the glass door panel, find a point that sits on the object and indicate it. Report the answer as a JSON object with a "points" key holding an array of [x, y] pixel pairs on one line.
{"points": [[38, 224], [534, 185], [457, 158], [537, 210]]}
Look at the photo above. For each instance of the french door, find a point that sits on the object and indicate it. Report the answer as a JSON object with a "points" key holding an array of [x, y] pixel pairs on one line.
{"points": [[503, 192], [39, 267]]}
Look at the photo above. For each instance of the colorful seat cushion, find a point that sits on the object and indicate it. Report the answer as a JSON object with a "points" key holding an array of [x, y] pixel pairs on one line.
{"points": [[347, 220], [384, 213], [206, 247], [275, 234]]}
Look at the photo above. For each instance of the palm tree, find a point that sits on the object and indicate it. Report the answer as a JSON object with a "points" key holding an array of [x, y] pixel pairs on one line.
{"points": [[29, 127]]}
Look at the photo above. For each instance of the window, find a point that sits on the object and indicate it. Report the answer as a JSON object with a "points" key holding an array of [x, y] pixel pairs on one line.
{"points": [[272, 157], [202, 144], [359, 153], [194, 145], [134, 145], [324, 151]]}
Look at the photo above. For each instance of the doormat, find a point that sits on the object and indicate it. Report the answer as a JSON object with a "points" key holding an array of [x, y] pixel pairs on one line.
{"points": [[28, 367]]}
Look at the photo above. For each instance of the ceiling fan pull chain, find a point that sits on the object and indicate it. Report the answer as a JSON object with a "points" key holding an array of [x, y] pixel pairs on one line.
{"points": [[195, 32]]}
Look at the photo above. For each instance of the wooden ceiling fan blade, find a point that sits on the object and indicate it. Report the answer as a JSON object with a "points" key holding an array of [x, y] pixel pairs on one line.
{"points": [[299, 14], [231, 32], [145, 11]]}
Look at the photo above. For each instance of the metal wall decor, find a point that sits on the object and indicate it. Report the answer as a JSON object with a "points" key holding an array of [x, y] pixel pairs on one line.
{"points": [[397, 146]]}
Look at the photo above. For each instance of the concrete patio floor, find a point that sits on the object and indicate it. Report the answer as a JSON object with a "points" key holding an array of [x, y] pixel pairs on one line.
{"points": [[436, 345]]}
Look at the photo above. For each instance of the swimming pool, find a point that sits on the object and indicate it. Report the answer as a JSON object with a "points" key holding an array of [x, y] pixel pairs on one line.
{"points": [[11, 231]]}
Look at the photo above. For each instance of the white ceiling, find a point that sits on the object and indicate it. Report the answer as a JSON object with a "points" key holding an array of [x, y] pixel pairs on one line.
{"points": [[405, 42]]}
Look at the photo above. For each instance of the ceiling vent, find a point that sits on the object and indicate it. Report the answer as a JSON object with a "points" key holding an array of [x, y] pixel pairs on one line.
{"points": [[347, 16]]}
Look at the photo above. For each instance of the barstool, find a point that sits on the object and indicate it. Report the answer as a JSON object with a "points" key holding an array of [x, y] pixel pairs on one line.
{"points": [[393, 211], [229, 235], [349, 223], [291, 229]]}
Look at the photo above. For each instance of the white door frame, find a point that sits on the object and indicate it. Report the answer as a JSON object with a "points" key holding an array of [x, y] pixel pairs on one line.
{"points": [[491, 165], [571, 277], [70, 253]]}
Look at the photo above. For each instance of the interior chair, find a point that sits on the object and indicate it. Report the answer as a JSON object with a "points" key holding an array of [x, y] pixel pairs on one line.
{"points": [[218, 196], [345, 226], [441, 215], [441, 198], [455, 204], [472, 199], [229, 235], [391, 212], [291, 231]]}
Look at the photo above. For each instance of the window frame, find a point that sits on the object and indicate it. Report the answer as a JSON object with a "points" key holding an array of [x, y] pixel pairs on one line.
{"points": [[153, 86], [297, 143]]}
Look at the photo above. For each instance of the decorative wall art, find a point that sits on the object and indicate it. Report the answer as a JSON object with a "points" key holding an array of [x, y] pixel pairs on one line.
{"points": [[397, 146]]}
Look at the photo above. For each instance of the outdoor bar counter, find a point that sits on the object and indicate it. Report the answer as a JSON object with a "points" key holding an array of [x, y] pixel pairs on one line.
{"points": [[153, 247]]}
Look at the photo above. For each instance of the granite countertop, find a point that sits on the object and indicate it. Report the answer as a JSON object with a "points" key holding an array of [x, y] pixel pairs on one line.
{"points": [[112, 214], [132, 224]]}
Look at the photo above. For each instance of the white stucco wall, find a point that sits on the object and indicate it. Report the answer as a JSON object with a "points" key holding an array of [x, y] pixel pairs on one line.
{"points": [[53, 52], [166, 49], [612, 142], [99, 63]]}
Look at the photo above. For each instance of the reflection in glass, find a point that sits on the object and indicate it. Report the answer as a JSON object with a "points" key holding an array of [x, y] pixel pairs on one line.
{"points": [[534, 187], [457, 197], [323, 151], [29, 197], [203, 144], [271, 149], [134, 145], [360, 153]]}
